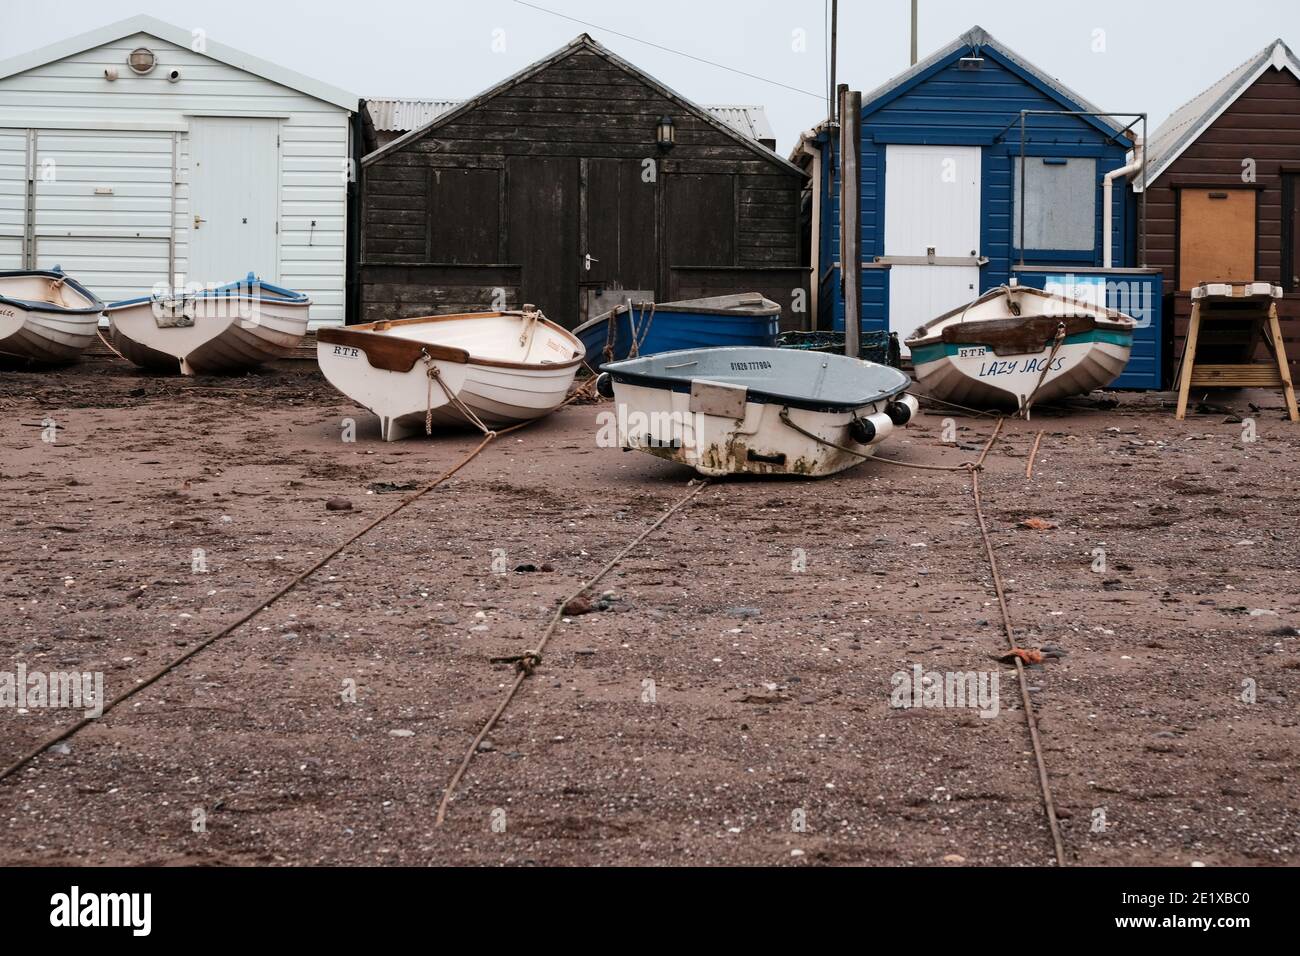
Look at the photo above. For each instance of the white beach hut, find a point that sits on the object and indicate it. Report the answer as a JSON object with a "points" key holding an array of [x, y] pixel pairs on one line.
{"points": [[143, 153]]}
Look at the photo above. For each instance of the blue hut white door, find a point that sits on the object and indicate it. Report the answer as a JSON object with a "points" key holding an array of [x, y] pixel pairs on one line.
{"points": [[234, 206], [932, 224]]}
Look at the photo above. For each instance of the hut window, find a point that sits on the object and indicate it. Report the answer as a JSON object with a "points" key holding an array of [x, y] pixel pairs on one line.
{"points": [[1060, 203], [464, 220]]}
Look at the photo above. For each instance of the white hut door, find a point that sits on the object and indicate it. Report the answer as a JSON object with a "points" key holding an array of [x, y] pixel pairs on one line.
{"points": [[234, 198], [932, 209]]}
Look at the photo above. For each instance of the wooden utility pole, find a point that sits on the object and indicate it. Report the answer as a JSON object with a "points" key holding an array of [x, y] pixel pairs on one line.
{"points": [[914, 32], [832, 91], [850, 109]]}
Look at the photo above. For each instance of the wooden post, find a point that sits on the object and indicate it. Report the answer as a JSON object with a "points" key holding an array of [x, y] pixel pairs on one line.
{"points": [[1283, 365], [834, 91], [1189, 360], [913, 32], [850, 205]]}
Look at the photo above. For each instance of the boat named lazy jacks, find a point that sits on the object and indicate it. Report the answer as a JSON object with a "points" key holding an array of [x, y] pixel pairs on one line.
{"points": [[486, 369], [229, 328], [761, 411], [1015, 346], [45, 316]]}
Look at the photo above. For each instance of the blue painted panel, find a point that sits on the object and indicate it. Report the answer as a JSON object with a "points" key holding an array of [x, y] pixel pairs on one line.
{"points": [[874, 299], [947, 106], [1136, 295]]}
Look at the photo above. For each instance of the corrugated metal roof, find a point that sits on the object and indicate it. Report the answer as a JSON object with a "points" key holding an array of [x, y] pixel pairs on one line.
{"points": [[1186, 124], [749, 121], [394, 115]]}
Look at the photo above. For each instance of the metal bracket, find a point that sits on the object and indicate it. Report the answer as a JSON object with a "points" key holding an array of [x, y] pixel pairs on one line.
{"points": [[720, 399]]}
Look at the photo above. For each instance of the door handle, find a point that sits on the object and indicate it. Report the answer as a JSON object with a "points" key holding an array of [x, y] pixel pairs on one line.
{"points": [[197, 220], [587, 260]]}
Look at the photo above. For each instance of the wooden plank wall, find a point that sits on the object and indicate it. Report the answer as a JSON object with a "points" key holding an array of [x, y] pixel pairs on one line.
{"points": [[1263, 125], [460, 203]]}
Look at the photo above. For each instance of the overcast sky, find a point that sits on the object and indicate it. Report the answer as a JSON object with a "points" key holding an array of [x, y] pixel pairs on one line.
{"points": [[1152, 54]]}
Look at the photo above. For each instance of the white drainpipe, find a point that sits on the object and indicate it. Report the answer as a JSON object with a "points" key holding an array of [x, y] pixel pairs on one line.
{"points": [[1107, 192]]}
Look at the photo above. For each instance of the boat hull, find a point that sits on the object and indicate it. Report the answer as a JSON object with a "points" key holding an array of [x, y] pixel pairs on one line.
{"points": [[975, 375], [41, 331], [755, 411], [660, 422], [229, 334], [1018, 346], [497, 392], [672, 327], [52, 338]]}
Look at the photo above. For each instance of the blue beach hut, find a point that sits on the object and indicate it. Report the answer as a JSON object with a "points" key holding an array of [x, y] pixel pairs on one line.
{"points": [[941, 197]]}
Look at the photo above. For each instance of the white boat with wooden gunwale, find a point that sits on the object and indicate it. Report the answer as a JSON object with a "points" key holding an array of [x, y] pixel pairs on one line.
{"points": [[1015, 346], [228, 328], [46, 316], [491, 368], [759, 411]]}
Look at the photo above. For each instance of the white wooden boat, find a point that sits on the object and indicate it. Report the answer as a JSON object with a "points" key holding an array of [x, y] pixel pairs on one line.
{"points": [[229, 328], [762, 411], [1015, 346], [45, 316], [501, 368]]}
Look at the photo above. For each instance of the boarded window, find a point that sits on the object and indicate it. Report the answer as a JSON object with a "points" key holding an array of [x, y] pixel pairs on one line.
{"points": [[1216, 236], [701, 223], [464, 216], [1060, 203]]}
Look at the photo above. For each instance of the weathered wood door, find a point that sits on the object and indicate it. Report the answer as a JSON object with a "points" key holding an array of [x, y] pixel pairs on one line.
{"points": [[618, 255], [543, 194], [1216, 236], [700, 219]]}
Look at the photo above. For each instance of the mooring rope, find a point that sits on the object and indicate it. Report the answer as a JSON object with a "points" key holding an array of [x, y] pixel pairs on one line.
{"points": [[109, 345], [527, 662], [963, 466], [436, 376], [243, 619], [1057, 342], [974, 468], [1033, 452], [1030, 718]]}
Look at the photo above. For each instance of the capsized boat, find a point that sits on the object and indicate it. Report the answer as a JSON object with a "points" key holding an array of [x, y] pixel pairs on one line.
{"points": [[487, 369], [648, 328], [227, 328], [1015, 346], [46, 316], [762, 411]]}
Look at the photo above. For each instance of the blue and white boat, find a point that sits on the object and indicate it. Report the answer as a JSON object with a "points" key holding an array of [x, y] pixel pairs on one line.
{"points": [[648, 328], [226, 328], [1016, 345], [45, 316]]}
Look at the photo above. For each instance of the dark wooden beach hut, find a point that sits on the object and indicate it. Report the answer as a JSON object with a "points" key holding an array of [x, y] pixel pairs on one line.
{"points": [[1223, 190], [575, 184]]}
